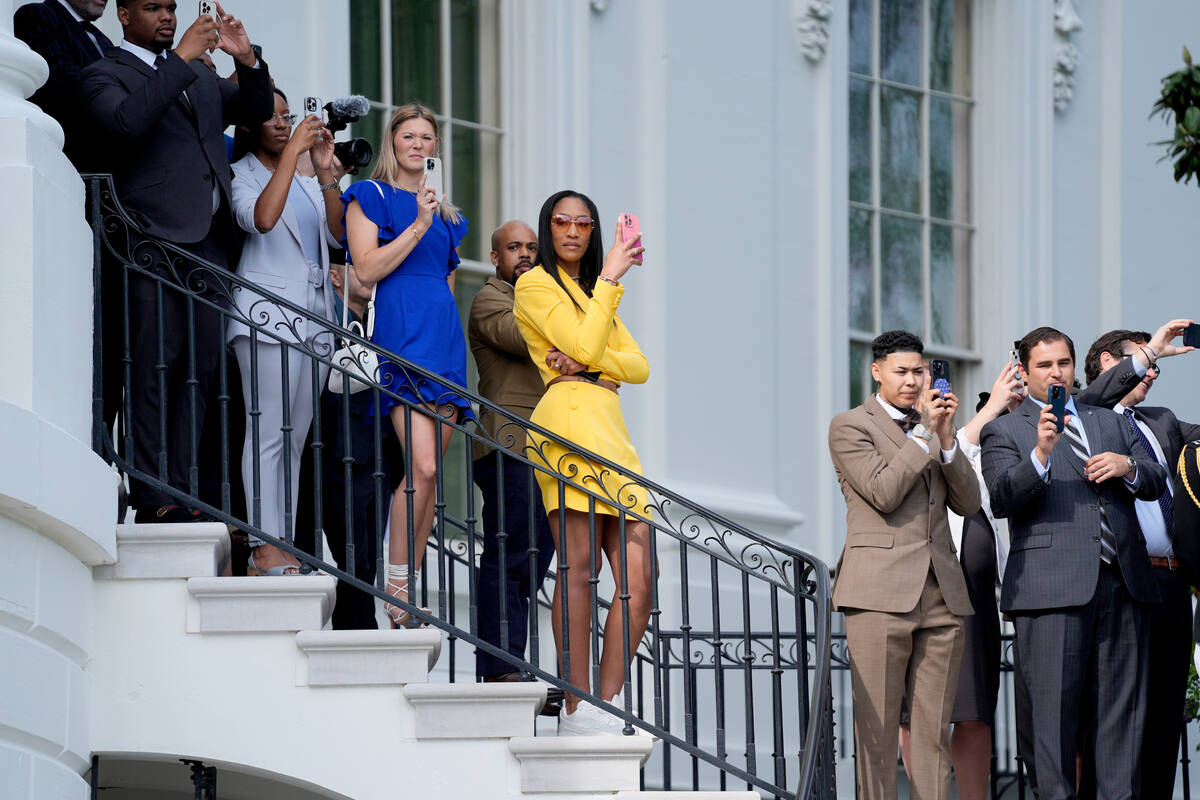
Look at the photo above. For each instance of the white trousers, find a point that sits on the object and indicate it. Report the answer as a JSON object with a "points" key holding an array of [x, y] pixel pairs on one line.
{"points": [[271, 501]]}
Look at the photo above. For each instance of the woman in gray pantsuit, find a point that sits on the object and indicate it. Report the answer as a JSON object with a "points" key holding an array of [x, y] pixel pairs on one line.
{"points": [[290, 220]]}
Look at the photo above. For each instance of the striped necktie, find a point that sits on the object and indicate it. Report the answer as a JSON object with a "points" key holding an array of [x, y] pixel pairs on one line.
{"points": [[1165, 502], [1108, 541]]}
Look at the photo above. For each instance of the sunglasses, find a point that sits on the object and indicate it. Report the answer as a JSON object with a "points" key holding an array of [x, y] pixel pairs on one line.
{"points": [[562, 222]]}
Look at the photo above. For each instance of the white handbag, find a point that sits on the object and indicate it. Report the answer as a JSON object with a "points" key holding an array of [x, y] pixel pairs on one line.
{"points": [[358, 361]]}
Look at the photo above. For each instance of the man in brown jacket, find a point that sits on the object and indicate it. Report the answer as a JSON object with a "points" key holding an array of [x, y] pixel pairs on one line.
{"points": [[899, 582], [510, 570]]}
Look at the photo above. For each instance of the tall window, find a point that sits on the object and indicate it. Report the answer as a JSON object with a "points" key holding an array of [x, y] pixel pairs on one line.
{"points": [[910, 217], [443, 54]]}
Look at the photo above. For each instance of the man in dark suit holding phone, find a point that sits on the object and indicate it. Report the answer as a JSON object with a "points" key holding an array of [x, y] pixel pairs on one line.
{"points": [[1078, 580], [163, 113], [63, 32], [1170, 622]]}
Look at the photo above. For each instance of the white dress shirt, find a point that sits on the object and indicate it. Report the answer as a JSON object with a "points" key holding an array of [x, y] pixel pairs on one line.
{"points": [[1149, 512], [974, 452]]}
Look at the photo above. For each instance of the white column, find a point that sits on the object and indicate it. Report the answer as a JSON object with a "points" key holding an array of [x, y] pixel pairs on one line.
{"points": [[57, 499]]}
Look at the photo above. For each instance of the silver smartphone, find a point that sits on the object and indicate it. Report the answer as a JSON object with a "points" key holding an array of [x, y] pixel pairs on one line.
{"points": [[433, 176], [209, 8], [313, 105]]}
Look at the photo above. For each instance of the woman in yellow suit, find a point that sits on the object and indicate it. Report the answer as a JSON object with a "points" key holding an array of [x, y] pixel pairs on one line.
{"points": [[567, 312]]}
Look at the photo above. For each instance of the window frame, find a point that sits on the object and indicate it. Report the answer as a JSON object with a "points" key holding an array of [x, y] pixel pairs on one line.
{"points": [[447, 122], [967, 358]]}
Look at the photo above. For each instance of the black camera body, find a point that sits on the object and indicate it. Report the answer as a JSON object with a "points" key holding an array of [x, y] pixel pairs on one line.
{"points": [[354, 154]]}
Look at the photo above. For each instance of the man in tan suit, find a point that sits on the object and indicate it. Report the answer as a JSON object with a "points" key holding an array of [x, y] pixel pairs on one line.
{"points": [[899, 582], [509, 571]]}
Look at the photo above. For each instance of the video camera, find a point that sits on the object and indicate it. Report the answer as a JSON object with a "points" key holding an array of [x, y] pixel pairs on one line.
{"points": [[339, 113]]}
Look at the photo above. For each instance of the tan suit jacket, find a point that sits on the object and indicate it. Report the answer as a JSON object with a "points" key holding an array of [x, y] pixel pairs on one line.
{"points": [[896, 527], [507, 376]]}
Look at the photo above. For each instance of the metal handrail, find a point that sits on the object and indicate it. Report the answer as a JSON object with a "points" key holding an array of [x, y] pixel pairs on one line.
{"points": [[775, 567]]}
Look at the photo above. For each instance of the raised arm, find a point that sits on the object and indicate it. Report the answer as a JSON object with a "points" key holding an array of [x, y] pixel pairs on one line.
{"points": [[542, 306]]}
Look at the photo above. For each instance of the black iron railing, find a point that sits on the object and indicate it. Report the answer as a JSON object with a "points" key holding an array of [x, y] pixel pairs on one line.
{"points": [[733, 673]]}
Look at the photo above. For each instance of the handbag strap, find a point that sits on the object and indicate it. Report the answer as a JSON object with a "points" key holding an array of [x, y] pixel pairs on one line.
{"points": [[374, 289]]}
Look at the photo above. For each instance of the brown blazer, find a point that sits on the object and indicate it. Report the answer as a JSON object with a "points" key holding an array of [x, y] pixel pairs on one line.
{"points": [[896, 499], [507, 376]]}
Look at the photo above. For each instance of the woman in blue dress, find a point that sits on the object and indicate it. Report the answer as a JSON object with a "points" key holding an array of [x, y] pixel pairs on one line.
{"points": [[404, 239]]}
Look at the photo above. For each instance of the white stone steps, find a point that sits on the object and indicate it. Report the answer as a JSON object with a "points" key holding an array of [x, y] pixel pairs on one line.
{"points": [[369, 658], [475, 710], [178, 550], [260, 603], [580, 763]]}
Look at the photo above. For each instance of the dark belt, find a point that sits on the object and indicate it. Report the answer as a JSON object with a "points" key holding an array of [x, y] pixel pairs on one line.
{"points": [[612, 387], [1165, 562]]}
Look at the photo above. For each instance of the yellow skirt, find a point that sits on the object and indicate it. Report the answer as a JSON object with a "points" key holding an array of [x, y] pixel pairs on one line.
{"points": [[590, 416]]}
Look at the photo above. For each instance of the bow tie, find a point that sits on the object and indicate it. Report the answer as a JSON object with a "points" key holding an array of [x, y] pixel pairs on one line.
{"points": [[909, 421]]}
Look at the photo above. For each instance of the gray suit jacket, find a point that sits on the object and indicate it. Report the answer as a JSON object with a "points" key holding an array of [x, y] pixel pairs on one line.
{"points": [[276, 260], [1054, 526]]}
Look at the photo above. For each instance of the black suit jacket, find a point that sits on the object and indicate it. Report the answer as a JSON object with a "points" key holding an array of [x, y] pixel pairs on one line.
{"points": [[1054, 526], [166, 153], [51, 32], [1172, 434]]}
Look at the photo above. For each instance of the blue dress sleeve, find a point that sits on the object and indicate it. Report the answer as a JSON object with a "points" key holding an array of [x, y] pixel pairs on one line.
{"points": [[371, 197], [457, 231]]}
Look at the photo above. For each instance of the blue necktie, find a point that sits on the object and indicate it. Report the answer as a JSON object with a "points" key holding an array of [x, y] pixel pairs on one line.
{"points": [[1164, 502]]}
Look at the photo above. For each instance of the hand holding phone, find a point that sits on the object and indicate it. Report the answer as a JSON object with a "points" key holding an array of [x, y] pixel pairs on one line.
{"points": [[208, 8], [939, 373], [433, 176], [631, 230], [1058, 404]]}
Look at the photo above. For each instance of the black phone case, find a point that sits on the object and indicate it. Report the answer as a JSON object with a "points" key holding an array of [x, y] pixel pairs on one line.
{"points": [[1058, 402]]}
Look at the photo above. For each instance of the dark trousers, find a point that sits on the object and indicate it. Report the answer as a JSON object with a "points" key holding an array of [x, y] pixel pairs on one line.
{"points": [[524, 534], [1085, 672], [1170, 650], [173, 364], [364, 496]]}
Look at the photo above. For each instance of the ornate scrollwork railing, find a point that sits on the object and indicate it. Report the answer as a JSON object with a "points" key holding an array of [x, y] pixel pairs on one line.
{"points": [[700, 662]]}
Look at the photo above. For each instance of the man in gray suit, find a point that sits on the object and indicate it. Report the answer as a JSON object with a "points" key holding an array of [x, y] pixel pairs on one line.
{"points": [[1078, 578], [1170, 622]]}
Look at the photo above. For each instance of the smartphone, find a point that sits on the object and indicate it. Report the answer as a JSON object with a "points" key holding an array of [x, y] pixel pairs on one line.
{"points": [[1191, 335], [313, 105], [630, 229], [1058, 403], [209, 8], [433, 176], [939, 373]]}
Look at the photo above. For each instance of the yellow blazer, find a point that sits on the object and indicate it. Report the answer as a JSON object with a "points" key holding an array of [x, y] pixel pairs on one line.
{"points": [[594, 336]]}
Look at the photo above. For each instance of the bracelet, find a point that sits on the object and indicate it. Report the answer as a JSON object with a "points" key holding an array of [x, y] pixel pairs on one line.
{"points": [[325, 187], [414, 230], [1150, 355], [607, 279], [1151, 349]]}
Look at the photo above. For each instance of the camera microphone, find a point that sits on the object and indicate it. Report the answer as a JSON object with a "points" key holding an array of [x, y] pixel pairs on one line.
{"points": [[345, 110]]}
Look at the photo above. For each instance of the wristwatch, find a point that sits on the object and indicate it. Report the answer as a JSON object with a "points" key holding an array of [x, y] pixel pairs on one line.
{"points": [[921, 432], [1132, 465]]}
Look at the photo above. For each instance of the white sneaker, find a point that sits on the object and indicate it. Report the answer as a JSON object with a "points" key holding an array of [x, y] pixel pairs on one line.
{"points": [[619, 701], [588, 720]]}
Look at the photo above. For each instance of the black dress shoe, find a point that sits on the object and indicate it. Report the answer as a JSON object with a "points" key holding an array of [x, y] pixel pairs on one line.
{"points": [[554, 697]]}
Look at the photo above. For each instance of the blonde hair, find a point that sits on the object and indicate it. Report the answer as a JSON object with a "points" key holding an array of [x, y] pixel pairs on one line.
{"points": [[387, 166]]}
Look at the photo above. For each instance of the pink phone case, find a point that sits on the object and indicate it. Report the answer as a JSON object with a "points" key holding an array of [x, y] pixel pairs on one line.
{"points": [[631, 228]]}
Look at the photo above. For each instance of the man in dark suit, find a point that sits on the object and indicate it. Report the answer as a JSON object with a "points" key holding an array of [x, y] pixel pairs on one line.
{"points": [[1170, 622], [63, 33], [1078, 579], [510, 379], [163, 113]]}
